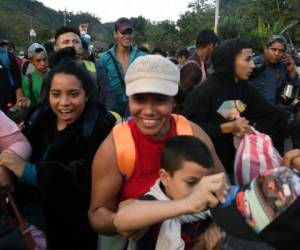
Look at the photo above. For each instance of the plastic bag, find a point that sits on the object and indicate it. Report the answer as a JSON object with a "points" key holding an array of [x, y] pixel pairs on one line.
{"points": [[33, 238], [255, 154]]}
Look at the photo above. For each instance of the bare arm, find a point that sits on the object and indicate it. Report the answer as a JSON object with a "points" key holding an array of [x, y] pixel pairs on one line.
{"points": [[106, 183], [292, 159], [140, 214], [200, 134]]}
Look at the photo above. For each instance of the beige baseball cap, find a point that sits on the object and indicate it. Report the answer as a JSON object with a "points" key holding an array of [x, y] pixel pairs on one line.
{"points": [[152, 74]]}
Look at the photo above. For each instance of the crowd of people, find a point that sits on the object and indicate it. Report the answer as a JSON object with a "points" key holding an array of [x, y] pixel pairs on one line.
{"points": [[129, 149]]}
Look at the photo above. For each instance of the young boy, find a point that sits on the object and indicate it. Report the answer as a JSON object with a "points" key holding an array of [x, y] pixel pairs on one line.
{"points": [[32, 83], [176, 224]]}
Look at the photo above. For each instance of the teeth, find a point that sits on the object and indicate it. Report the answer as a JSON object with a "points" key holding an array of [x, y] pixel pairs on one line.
{"points": [[149, 122], [66, 111]]}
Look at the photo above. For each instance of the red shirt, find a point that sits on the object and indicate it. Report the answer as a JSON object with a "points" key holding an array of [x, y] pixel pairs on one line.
{"points": [[147, 162]]}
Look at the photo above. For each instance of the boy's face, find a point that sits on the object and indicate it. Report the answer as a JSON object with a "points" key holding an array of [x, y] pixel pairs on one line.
{"points": [[183, 181], [69, 39], [40, 62]]}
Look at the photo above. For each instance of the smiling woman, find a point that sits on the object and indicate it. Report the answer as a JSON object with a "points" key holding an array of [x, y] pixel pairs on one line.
{"points": [[67, 99], [64, 131], [127, 163]]}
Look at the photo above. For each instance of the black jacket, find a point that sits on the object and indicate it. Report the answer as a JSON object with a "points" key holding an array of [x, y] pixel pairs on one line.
{"points": [[7, 90], [221, 89], [63, 162]]}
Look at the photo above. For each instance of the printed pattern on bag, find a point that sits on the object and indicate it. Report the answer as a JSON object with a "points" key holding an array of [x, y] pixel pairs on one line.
{"points": [[269, 195]]}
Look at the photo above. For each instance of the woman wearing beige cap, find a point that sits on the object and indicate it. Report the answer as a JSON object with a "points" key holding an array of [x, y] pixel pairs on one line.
{"points": [[127, 163]]}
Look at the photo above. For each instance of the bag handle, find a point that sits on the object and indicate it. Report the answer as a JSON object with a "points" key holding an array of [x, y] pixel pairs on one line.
{"points": [[117, 69], [30, 81], [20, 220]]}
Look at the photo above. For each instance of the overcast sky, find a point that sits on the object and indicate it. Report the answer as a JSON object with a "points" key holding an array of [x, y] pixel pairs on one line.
{"points": [[110, 10]]}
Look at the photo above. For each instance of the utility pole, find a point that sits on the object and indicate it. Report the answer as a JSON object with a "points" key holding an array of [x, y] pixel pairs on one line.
{"points": [[217, 16], [32, 32], [65, 17]]}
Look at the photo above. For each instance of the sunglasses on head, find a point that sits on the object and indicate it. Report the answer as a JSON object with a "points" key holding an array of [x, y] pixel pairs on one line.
{"points": [[127, 32]]}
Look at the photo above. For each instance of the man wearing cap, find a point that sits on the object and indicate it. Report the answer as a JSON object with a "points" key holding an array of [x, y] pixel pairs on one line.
{"points": [[274, 69], [10, 85], [116, 60], [67, 36], [32, 83]]}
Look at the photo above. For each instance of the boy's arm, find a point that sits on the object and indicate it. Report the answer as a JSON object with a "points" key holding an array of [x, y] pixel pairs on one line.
{"points": [[140, 214]]}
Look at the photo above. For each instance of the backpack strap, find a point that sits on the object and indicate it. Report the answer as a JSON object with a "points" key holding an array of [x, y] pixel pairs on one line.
{"points": [[125, 146], [200, 66], [90, 66], [30, 81], [117, 69], [183, 126], [25, 67]]}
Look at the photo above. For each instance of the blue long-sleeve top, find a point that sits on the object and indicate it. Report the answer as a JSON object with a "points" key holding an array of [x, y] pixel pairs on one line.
{"points": [[269, 79], [29, 175]]}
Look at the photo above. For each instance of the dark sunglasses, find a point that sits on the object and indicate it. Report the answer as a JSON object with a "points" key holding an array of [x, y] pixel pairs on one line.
{"points": [[127, 32]]}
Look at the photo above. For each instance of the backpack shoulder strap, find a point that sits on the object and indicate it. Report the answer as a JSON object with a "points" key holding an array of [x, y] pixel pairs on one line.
{"points": [[90, 66], [199, 66], [30, 81], [125, 148], [117, 69], [183, 126]]}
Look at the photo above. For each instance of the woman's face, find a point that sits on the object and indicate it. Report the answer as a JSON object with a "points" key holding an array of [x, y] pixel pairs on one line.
{"points": [[67, 99], [151, 113], [244, 65]]}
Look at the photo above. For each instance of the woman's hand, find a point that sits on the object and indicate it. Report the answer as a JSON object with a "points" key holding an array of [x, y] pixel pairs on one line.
{"points": [[10, 160], [239, 127], [292, 159], [23, 102]]}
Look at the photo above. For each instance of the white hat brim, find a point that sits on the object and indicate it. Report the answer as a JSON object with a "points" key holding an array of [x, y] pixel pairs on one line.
{"points": [[152, 85]]}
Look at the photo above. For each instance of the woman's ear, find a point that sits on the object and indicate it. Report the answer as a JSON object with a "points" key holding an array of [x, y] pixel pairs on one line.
{"points": [[165, 177]]}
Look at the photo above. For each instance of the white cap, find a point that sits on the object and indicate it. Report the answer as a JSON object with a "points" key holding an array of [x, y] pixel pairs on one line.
{"points": [[31, 51], [152, 74]]}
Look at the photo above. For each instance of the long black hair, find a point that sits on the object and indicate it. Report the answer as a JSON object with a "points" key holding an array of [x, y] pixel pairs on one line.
{"points": [[70, 67], [93, 106], [223, 57]]}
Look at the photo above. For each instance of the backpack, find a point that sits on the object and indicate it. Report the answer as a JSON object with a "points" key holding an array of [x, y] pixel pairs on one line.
{"points": [[200, 67], [5, 61], [125, 146], [91, 68]]}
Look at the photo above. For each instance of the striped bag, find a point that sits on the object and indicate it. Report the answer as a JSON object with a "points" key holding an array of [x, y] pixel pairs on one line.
{"points": [[255, 154]]}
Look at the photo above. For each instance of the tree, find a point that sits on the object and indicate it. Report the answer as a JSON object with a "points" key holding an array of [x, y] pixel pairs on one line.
{"points": [[199, 16]]}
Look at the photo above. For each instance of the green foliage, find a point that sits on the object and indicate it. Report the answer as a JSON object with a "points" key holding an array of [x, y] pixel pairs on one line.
{"points": [[252, 19], [199, 16]]}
